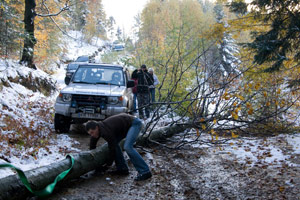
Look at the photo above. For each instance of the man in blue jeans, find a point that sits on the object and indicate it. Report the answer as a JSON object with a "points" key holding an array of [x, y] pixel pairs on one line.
{"points": [[113, 130]]}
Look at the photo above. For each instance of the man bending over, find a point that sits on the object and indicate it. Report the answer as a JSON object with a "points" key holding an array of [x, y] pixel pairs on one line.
{"points": [[113, 130]]}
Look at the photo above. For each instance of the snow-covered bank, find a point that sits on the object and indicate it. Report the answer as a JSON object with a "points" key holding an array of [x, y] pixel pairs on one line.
{"points": [[28, 139]]}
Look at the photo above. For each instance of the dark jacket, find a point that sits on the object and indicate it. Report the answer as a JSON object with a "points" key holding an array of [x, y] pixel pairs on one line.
{"points": [[134, 76], [113, 130], [145, 79], [134, 89]]}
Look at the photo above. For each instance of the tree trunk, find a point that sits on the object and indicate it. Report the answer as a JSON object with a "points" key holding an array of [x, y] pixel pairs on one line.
{"points": [[11, 186], [29, 41]]}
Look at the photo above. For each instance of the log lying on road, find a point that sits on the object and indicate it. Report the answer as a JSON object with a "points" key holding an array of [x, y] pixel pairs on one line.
{"points": [[11, 186]]}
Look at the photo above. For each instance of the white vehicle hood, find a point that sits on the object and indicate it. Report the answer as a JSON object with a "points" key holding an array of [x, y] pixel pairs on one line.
{"points": [[94, 89]]}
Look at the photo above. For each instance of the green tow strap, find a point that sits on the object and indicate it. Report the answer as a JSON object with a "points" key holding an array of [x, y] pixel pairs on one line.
{"points": [[49, 188]]}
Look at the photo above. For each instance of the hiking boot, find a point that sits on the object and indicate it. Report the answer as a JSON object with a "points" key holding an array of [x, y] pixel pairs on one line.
{"points": [[142, 177]]}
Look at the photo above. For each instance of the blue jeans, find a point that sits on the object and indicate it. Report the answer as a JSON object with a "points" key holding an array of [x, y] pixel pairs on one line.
{"points": [[136, 159], [152, 95], [134, 102]]}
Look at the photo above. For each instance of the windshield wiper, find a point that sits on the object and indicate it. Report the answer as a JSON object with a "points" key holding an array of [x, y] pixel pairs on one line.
{"points": [[82, 82], [104, 83], [118, 84]]}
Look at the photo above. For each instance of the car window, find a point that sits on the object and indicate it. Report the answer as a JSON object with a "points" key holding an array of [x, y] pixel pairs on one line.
{"points": [[99, 75], [72, 66]]}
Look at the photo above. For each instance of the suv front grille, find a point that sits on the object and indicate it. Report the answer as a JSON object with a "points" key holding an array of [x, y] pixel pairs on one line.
{"points": [[89, 100]]}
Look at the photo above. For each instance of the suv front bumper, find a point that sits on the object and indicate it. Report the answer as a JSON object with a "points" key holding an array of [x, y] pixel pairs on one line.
{"points": [[66, 110]]}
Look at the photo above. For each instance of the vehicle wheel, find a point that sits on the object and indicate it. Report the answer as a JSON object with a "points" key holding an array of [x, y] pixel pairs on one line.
{"points": [[61, 123]]}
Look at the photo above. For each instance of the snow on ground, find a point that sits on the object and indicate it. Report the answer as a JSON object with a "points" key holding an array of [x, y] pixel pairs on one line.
{"points": [[77, 47], [268, 150], [255, 150], [22, 104]]}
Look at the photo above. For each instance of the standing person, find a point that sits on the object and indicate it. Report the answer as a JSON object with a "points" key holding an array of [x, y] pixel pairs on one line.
{"points": [[144, 81], [152, 87], [134, 76], [113, 130]]}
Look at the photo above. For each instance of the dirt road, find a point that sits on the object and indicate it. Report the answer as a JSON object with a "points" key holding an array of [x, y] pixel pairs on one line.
{"points": [[188, 173]]}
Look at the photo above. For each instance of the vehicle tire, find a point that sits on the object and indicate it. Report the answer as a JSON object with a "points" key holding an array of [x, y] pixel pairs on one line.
{"points": [[61, 123]]}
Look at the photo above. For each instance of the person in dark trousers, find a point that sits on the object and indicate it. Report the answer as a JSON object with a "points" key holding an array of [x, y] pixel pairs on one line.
{"points": [[113, 130], [145, 79], [134, 76]]}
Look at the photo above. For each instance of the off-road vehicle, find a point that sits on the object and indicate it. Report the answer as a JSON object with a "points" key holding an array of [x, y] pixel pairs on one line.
{"points": [[95, 91]]}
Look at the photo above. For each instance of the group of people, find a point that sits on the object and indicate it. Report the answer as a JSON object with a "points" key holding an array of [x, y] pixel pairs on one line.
{"points": [[144, 91], [124, 126]]}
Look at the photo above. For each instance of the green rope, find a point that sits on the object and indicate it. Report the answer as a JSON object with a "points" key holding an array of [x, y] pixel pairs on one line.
{"points": [[49, 188]]}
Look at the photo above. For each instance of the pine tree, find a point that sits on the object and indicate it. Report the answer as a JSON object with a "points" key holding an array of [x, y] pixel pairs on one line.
{"points": [[280, 41], [227, 46], [10, 28]]}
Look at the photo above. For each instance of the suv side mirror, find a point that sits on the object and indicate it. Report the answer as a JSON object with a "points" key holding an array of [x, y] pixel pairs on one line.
{"points": [[67, 80], [130, 83]]}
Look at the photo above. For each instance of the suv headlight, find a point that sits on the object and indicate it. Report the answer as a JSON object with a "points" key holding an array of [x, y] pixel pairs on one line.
{"points": [[114, 100], [65, 97]]}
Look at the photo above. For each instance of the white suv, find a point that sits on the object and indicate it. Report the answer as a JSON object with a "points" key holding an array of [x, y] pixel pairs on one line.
{"points": [[95, 91]]}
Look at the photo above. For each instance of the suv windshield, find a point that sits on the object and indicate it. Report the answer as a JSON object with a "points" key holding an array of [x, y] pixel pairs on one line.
{"points": [[72, 66], [99, 75]]}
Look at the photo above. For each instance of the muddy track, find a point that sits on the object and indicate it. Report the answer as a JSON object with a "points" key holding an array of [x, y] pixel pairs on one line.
{"points": [[187, 173]]}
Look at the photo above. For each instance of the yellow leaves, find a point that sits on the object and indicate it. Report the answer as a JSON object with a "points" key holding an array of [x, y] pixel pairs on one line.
{"points": [[233, 135], [235, 112], [281, 188], [214, 135], [248, 105], [282, 103], [202, 120], [215, 121], [217, 137], [215, 31], [265, 94], [226, 96], [250, 111], [213, 132], [268, 103], [203, 127], [197, 132], [240, 97], [257, 86], [234, 115], [279, 91]]}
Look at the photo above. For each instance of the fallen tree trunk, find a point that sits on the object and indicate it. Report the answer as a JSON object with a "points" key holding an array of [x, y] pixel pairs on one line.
{"points": [[11, 186]]}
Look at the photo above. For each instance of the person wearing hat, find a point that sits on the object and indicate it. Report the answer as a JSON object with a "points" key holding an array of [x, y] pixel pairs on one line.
{"points": [[145, 79]]}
